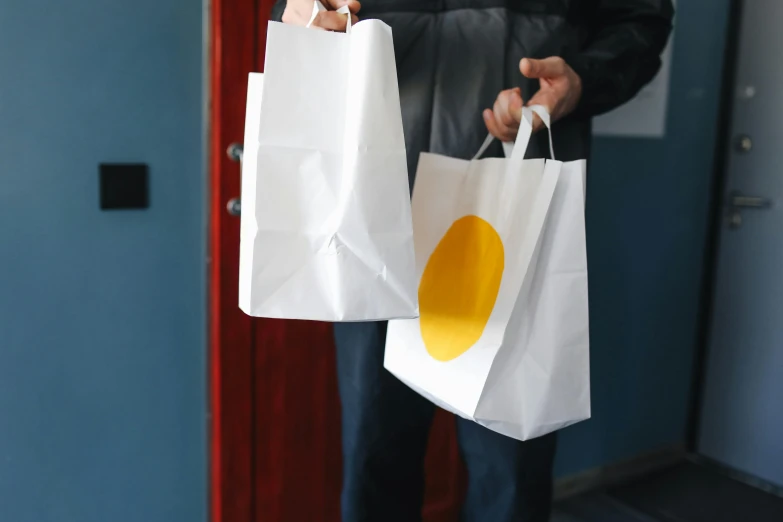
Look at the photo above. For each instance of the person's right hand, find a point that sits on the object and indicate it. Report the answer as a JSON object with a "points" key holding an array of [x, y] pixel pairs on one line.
{"points": [[298, 12]]}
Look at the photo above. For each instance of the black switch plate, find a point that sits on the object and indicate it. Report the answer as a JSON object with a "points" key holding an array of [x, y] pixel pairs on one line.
{"points": [[124, 186]]}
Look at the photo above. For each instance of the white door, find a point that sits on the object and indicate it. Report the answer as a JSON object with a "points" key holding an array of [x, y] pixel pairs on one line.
{"points": [[742, 412]]}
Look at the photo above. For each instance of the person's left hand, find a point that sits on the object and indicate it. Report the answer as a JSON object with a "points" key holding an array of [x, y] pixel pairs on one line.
{"points": [[561, 89]]}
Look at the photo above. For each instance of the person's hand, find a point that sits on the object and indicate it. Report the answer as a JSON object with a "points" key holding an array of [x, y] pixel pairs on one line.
{"points": [[561, 89], [298, 12]]}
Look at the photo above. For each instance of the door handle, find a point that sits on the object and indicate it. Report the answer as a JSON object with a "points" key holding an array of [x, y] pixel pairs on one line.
{"points": [[738, 201], [235, 152]]}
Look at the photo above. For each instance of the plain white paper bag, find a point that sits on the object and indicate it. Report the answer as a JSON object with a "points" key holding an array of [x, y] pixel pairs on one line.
{"points": [[326, 229], [523, 371]]}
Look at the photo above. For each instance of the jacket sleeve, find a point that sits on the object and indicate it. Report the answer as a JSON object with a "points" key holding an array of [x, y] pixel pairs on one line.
{"points": [[277, 11], [622, 52]]}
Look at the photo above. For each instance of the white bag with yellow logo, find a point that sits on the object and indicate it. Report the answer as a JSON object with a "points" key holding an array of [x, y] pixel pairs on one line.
{"points": [[500, 255]]}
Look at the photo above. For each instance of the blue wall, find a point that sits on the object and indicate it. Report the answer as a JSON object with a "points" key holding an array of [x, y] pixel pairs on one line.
{"points": [[647, 217], [102, 323]]}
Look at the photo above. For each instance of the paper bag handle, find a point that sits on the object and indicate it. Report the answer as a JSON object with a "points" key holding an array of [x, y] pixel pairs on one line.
{"points": [[318, 7], [517, 149]]}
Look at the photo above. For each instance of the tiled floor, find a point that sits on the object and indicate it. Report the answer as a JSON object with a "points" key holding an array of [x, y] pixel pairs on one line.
{"points": [[684, 493]]}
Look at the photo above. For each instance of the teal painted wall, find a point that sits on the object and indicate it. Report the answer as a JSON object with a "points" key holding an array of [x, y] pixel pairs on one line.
{"points": [[102, 323]]}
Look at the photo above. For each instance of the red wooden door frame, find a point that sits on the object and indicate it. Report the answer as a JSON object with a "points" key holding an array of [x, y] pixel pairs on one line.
{"points": [[248, 358], [233, 33]]}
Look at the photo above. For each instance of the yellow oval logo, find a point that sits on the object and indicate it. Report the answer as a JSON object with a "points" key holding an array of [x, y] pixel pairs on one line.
{"points": [[459, 287]]}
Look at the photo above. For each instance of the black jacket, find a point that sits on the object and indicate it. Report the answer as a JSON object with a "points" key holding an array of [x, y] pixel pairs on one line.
{"points": [[455, 56]]}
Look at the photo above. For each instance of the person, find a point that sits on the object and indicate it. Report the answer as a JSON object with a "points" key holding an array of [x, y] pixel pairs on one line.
{"points": [[460, 75]]}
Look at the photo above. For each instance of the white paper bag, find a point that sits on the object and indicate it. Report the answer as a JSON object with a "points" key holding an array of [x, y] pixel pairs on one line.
{"points": [[502, 269], [326, 229]]}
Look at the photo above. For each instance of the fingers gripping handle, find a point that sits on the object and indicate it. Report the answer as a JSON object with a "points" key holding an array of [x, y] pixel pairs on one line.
{"points": [[318, 7], [519, 147]]}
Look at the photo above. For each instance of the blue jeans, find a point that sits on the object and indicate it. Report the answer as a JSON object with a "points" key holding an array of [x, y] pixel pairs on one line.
{"points": [[385, 428]]}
